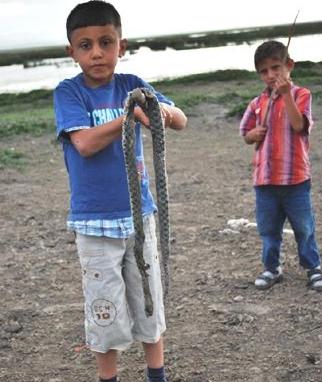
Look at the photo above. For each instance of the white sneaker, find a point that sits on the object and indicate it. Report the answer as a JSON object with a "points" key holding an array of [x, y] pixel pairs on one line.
{"points": [[267, 279], [315, 279]]}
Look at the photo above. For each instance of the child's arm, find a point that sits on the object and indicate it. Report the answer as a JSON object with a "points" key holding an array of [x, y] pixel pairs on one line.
{"points": [[249, 128], [283, 86], [173, 117], [90, 141]]}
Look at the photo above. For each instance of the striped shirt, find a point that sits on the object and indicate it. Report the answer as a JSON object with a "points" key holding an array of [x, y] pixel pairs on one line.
{"points": [[283, 156]]}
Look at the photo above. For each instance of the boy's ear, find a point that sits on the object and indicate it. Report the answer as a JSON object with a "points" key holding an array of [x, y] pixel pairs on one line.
{"points": [[123, 46], [290, 64], [69, 51]]}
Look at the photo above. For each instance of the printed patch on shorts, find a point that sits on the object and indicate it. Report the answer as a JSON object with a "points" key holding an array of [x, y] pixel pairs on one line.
{"points": [[103, 312]]}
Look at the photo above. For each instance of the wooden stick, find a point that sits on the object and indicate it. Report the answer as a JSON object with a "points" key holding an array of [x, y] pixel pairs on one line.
{"points": [[291, 32]]}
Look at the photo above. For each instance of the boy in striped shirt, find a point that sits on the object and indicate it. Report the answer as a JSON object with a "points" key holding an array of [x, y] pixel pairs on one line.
{"points": [[279, 122]]}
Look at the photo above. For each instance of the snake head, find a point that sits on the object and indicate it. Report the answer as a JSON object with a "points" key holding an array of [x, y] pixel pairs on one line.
{"points": [[138, 96]]}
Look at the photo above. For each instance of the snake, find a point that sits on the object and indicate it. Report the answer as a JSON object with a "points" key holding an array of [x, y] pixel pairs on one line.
{"points": [[148, 101]]}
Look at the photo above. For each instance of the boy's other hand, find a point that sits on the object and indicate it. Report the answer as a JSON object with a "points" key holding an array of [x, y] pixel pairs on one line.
{"points": [[255, 135], [141, 117]]}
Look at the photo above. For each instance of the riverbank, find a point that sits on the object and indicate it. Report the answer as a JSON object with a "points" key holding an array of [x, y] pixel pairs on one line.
{"points": [[154, 65], [219, 327]]}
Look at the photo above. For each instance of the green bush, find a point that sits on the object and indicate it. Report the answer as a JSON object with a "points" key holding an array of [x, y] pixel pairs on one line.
{"points": [[11, 158], [34, 96]]}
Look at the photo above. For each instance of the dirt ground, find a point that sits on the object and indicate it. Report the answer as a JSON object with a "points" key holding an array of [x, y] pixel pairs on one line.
{"points": [[220, 328]]}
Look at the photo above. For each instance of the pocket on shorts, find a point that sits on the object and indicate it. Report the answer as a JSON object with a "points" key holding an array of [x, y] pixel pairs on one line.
{"points": [[90, 251]]}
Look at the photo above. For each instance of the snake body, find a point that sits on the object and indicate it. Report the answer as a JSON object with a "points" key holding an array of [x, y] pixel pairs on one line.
{"points": [[148, 101]]}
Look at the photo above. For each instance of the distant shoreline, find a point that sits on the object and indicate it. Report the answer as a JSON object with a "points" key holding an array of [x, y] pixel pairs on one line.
{"points": [[185, 41]]}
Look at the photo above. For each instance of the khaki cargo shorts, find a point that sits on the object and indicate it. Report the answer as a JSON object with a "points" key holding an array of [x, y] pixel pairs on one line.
{"points": [[112, 285]]}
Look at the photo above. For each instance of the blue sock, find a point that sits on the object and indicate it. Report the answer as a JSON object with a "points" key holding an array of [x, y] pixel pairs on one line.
{"points": [[114, 379], [156, 375]]}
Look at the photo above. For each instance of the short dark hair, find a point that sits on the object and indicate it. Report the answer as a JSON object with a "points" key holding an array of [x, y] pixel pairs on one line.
{"points": [[270, 49], [92, 13]]}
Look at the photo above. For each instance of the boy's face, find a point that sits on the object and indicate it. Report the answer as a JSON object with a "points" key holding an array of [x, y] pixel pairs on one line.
{"points": [[272, 68], [97, 49]]}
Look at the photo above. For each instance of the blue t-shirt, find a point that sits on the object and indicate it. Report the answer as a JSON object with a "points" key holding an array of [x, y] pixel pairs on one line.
{"points": [[98, 184]]}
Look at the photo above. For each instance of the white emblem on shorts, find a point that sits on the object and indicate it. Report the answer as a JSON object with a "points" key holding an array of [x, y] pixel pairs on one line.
{"points": [[103, 312]]}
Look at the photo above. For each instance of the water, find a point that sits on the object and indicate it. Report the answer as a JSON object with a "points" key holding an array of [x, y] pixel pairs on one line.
{"points": [[155, 65]]}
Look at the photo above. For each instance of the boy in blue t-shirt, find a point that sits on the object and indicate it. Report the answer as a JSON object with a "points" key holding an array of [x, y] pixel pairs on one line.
{"points": [[89, 116]]}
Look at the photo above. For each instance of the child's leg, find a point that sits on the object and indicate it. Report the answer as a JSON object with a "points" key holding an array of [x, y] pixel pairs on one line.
{"points": [[298, 207], [270, 219], [155, 361], [145, 329], [107, 320], [154, 354], [106, 364]]}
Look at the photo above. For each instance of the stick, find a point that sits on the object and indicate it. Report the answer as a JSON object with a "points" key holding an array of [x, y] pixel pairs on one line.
{"points": [[291, 32]]}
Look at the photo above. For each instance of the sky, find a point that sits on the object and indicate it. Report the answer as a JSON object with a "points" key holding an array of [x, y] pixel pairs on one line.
{"points": [[31, 23]]}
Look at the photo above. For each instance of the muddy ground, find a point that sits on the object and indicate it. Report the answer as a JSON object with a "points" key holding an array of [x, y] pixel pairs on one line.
{"points": [[220, 329]]}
